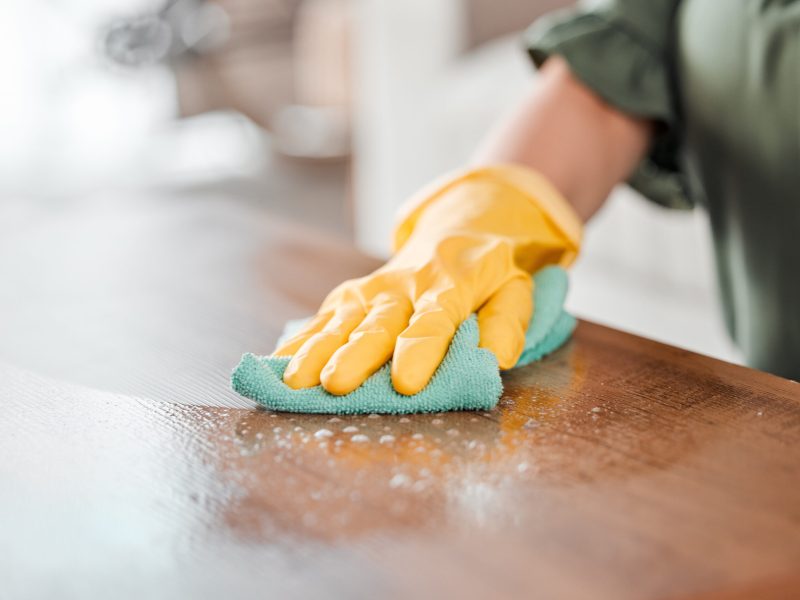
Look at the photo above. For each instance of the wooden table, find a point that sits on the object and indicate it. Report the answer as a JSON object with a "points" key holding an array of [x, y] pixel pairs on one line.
{"points": [[616, 468]]}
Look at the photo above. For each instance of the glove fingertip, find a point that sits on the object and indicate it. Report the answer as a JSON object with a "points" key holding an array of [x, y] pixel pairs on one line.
{"points": [[504, 337]]}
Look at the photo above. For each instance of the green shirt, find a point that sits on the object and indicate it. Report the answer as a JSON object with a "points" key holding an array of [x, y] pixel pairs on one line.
{"points": [[722, 78]]}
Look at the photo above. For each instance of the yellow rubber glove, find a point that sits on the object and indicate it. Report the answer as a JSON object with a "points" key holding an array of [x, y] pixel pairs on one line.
{"points": [[466, 243]]}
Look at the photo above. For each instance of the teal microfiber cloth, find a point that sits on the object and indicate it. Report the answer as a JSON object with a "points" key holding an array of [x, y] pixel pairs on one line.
{"points": [[467, 379]]}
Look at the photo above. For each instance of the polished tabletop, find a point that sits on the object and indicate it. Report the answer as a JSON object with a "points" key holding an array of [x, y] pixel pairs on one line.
{"points": [[615, 468]]}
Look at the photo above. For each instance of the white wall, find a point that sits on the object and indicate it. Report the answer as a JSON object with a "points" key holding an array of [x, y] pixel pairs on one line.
{"points": [[401, 47]]}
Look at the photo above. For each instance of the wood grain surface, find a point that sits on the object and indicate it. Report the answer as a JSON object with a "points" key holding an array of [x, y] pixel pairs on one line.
{"points": [[616, 468]]}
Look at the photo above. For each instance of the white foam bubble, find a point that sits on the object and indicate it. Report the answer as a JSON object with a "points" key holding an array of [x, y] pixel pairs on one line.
{"points": [[321, 434], [399, 480]]}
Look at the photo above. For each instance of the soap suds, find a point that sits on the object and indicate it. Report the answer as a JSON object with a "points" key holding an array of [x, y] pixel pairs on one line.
{"points": [[399, 480]]}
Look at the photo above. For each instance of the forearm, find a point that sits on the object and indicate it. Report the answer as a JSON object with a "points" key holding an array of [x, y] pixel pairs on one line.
{"points": [[567, 133]]}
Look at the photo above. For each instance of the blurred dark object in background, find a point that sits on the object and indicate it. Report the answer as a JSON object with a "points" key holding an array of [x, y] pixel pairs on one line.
{"points": [[282, 63], [489, 19], [179, 27]]}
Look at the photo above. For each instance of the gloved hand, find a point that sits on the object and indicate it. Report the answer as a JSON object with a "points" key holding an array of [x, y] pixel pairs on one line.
{"points": [[465, 244]]}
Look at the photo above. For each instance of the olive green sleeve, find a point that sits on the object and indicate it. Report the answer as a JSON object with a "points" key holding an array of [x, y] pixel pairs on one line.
{"points": [[622, 50]]}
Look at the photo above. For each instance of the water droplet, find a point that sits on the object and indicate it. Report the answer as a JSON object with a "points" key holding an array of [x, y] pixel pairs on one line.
{"points": [[323, 433], [437, 421], [334, 420], [350, 429], [399, 480], [359, 437], [373, 416], [522, 467], [417, 436], [452, 432], [597, 409], [405, 420], [386, 439]]}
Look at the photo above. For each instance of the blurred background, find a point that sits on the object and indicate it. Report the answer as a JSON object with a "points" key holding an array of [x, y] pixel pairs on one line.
{"points": [[328, 112]]}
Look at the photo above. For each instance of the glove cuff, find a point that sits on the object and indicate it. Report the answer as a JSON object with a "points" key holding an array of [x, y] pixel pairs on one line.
{"points": [[531, 183]]}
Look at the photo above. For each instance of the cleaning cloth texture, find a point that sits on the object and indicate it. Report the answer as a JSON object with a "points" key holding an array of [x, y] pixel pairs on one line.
{"points": [[467, 379]]}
